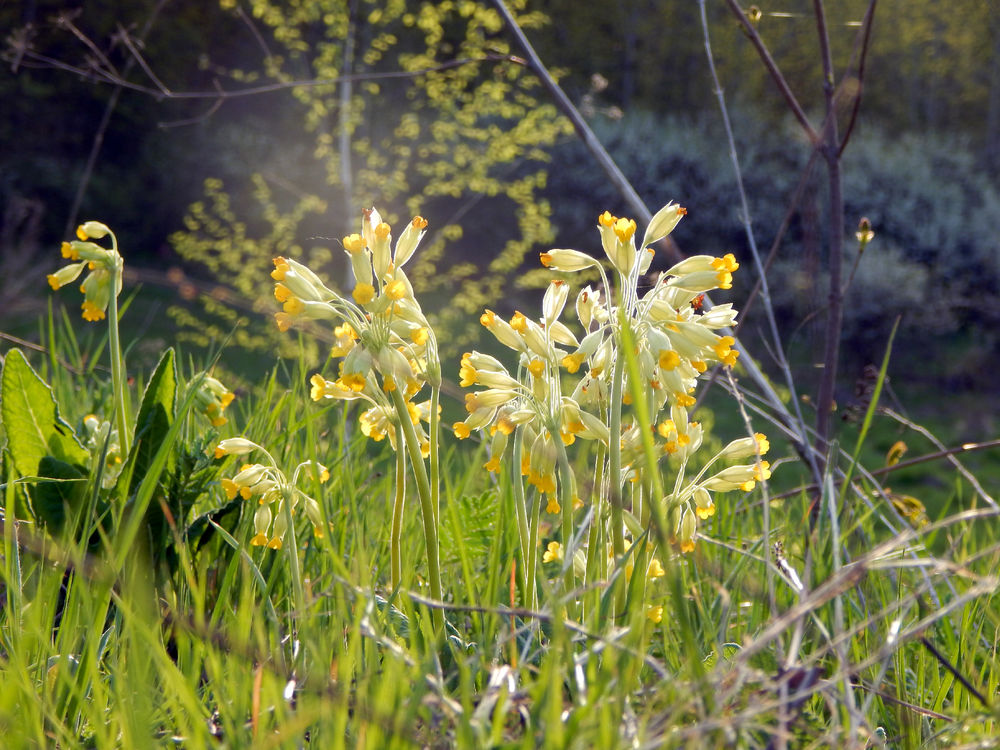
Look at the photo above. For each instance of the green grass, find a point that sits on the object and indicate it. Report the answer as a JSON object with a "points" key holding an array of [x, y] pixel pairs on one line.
{"points": [[205, 645]]}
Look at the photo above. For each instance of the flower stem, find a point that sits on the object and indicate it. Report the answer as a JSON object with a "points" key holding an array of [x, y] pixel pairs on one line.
{"points": [[395, 564], [426, 504], [566, 496], [117, 360], [523, 532], [433, 429]]}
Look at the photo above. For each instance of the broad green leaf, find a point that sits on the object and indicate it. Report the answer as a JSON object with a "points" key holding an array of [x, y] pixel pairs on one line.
{"points": [[60, 499], [156, 414], [31, 419]]}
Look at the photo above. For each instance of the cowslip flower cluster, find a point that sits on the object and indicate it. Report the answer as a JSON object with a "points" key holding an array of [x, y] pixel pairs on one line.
{"points": [[568, 386], [382, 337], [103, 265], [270, 487], [388, 353]]}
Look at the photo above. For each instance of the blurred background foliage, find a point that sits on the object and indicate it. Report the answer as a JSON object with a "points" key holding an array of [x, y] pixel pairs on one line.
{"points": [[438, 119]]}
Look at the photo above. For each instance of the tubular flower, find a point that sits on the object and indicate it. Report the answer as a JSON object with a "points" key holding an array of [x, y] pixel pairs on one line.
{"points": [[234, 447], [566, 260]]}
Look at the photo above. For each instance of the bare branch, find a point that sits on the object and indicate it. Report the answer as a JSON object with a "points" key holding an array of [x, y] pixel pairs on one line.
{"points": [[100, 75], [772, 68], [127, 41], [865, 44]]}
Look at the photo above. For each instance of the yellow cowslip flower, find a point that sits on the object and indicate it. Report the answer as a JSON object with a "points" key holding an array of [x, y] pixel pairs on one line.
{"points": [[624, 229], [353, 381], [234, 447], [566, 260], [572, 362], [232, 489], [420, 335], [655, 613], [746, 447], [668, 359], [655, 569], [354, 243], [322, 388], [687, 531], [493, 465], [467, 373], [281, 292], [760, 473], [663, 223], [683, 399], [553, 552], [91, 311], [461, 430], [346, 336], [502, 330], [553, 505], [261, 524], [283, 321], [725, 263], [724, 351], [65, 275], [396, 289], [363, 293], [704, 506], [607, 219], [92, 230], [542, 463]]}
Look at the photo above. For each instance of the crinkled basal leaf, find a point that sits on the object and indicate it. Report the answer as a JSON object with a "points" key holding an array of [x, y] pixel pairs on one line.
{"points": [[58, 494], [31, 420], [156, 414]]}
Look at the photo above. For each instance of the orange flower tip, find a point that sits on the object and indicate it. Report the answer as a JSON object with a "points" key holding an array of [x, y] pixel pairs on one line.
{"points": [[546, 259], [682, 211], [419, 222], [274, 543], [259, 540]]}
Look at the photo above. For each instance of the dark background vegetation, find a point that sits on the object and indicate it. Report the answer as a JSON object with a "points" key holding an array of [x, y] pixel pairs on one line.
{"points": [[922, 163]]}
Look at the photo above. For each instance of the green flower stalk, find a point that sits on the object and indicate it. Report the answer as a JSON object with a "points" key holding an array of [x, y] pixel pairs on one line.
{"points": [[101, 287]]}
